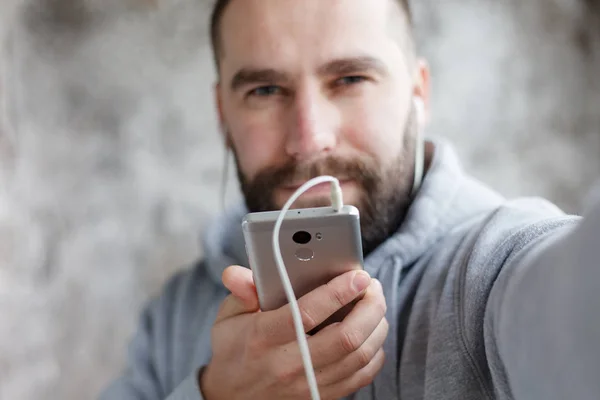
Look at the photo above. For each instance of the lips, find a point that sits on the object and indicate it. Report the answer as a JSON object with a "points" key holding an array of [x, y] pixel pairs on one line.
{"points": [[296, 186], [319, 191]]}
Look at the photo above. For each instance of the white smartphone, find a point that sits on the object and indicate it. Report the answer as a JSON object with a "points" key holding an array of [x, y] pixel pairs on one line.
{"points": [[317, 244]]}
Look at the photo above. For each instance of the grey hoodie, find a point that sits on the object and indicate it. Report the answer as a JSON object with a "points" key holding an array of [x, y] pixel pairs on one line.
{"points": [[472, 295]]}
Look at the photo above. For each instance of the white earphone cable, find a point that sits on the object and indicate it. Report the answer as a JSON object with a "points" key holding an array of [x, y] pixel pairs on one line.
{"points": [[337, 203], [224, 179], [419, 163], [419, 148]]}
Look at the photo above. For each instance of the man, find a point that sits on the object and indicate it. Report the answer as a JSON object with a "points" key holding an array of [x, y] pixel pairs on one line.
{"points": [[468, 295]]}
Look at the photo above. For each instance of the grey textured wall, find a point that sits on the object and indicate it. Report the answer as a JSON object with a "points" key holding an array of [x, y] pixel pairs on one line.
{"points": [[111, 169]]}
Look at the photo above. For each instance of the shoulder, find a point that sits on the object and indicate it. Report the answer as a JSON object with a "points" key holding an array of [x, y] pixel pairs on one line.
{"points": [[172, 335], [177, 323], [471, 255], [496, 239], [489, 246], [460, 272], [183, 292], [511, 228]]}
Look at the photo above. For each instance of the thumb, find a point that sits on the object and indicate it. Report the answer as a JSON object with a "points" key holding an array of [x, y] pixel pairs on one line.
{"points": [[243, 298]]}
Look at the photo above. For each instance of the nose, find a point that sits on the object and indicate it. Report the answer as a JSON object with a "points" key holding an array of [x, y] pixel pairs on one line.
{"points": [[313, 126]]}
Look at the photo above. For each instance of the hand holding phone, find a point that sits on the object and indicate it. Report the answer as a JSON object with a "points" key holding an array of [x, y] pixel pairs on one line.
{"points": [[255, 354]]}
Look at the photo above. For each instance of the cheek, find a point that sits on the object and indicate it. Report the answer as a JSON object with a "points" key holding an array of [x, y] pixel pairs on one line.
{"points": [[376, 127], [257, 144]]}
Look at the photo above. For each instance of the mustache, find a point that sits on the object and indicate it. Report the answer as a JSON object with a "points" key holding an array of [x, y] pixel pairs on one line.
{"points": [[294, 173]]}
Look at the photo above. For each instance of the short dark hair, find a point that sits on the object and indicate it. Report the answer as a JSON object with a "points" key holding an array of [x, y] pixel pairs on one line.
{"points": [[217, 15]]}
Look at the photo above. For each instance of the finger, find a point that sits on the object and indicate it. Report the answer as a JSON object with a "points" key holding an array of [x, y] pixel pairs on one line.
{"points": [[240, 283], [243, 298], [355, 361], [357, 381], [338, 341], [335, 344], [316, 306], [231, 307]]}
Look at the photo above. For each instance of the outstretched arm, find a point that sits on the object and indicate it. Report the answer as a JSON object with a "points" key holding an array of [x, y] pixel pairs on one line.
{"points": [[545, 316]]}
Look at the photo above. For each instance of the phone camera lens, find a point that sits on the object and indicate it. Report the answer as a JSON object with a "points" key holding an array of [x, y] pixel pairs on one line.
{"points": [[301, 237]]}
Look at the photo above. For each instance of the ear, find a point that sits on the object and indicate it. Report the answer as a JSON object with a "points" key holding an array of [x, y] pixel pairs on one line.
{"points": [[422, 88], [222, 126]]}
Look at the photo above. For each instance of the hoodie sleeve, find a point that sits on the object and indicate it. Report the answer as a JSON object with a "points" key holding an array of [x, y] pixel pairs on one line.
{"points": [[141, 381], [172, 341], [543, 315]]}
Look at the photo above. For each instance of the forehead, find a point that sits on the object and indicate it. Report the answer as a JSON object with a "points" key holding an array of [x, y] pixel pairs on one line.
{"points": [[290, 33]]}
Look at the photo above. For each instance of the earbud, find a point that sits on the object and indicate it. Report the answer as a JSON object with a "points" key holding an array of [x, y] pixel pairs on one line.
{"points": [[420, 111], [419, 144], [225, 175]]}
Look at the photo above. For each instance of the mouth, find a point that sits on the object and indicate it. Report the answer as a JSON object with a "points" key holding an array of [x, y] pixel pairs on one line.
{"points": [[318, 190]]}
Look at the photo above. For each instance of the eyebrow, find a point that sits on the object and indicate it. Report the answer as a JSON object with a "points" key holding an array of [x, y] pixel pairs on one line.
{"points": [[250, 76], [342, 66], [353, 65]]}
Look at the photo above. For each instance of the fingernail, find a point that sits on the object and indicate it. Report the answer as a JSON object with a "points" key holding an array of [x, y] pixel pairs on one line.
{"points": [[361, 281]]}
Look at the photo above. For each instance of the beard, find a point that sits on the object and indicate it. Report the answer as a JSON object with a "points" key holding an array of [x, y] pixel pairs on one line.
{"points": [[385, 190]]}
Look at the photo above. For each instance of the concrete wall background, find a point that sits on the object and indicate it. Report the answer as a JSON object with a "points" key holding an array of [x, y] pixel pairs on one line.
{"points": [[112, 168]]}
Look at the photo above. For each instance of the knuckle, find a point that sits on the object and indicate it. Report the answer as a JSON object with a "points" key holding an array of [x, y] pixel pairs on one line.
{"points": [[370, 371], [386, 326], [365, 379], [363, 357], [381, 306], [285, 375], [368, 375], [378, 284], [385, 329], [350, 340], [336, 296], [308, 321]]}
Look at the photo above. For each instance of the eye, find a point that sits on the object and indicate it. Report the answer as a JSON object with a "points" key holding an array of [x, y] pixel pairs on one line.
{"points": [[265, 91], [350, 80]]}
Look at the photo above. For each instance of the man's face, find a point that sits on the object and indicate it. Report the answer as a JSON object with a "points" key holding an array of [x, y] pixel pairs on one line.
{"points": [[315, 87]]}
